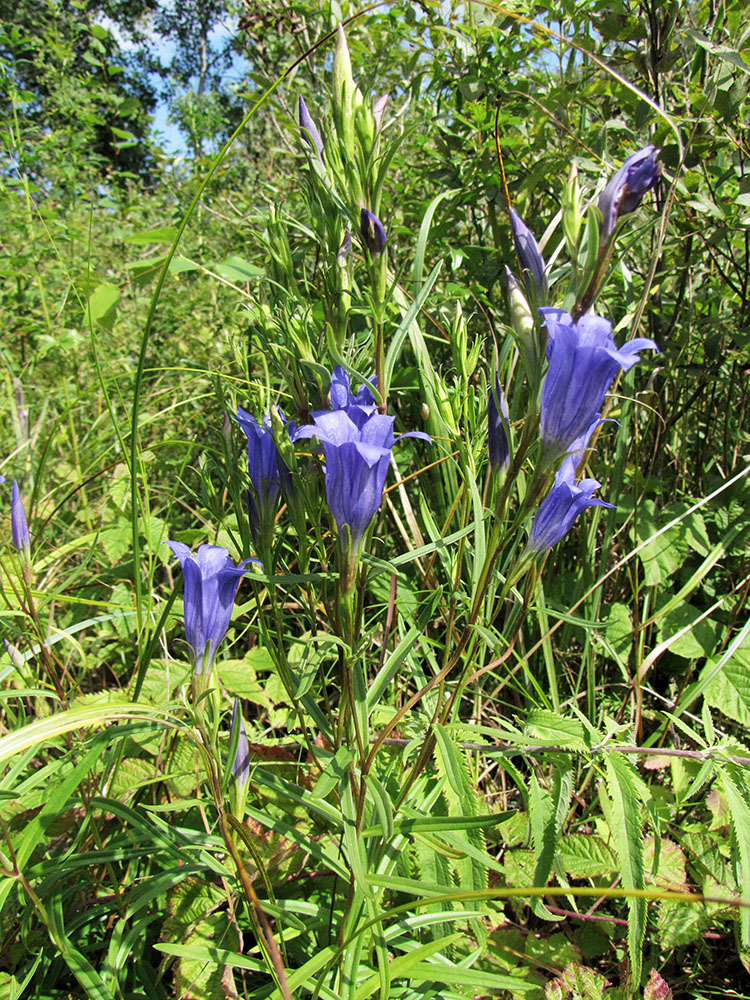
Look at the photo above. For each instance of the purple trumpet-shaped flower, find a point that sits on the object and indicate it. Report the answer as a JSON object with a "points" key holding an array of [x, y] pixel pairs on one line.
{"points": [[372, 232], [342, 396], [530, 258], [357, 447], [567, 499], [19, 529], [211, 582], [583, 361], [497, 435], [268, 473], [623, 194], [310, 129]]}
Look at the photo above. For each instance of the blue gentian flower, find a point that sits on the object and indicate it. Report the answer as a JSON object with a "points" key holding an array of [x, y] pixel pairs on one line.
{"points": [[342, 396], [566, 500], [19, 529], [583, 361], [496, 420], [310, 129], [372, 231], [267, 471], [623, 194], [211, 582], [530, 258], [357, 446]]}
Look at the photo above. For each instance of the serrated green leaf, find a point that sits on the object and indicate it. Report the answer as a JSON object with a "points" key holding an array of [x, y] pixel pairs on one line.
{"points": [[586, 856], [623, 783], [553, 730], [729, 690], [733, 780]]}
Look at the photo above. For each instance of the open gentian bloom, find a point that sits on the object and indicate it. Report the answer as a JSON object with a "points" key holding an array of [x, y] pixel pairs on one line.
{"points": [[623, 194], [583, 361], [372, 232], [530, 258], [565, 501], [19, 529], [268, 473], [211, 582], [310, 129], [357, 447], [496, 420]]}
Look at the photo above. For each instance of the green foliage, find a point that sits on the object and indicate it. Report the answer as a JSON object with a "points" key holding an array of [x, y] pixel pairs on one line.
{"points": [[491, 785]]}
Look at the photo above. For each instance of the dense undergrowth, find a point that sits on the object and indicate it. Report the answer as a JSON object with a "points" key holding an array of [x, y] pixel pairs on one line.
{"points": [[488, 750]]}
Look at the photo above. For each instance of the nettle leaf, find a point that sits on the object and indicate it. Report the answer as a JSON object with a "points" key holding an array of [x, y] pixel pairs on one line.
{"points": [[733, 780], [729, 690], [555, 730], [699, 641], [625, 787], [662, 556], [670, 864], [586, 856], [460, 793], [617, 635], [547, 811]]}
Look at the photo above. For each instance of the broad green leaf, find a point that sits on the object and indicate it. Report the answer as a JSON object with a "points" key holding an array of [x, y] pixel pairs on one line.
{"points": [[664, 555], [729, 690], [699, 641], [238, 271], [101, 308], [162, 234]]}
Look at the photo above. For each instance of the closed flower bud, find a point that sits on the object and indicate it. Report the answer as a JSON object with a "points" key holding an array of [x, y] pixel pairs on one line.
{"points": [[638, 174], [497, 419], [372, 232], [309, 129], [18, 527], [530, 259]]}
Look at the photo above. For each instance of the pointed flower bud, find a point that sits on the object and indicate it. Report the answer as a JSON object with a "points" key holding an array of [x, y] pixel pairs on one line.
{"points": [[211, 582], [497, 418], [583, 361], [240, 764], [530, 257], [344, 251], [638, 174], [378, 110], [372, 232], [310, 129], [19, 529], [268, 473]]}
